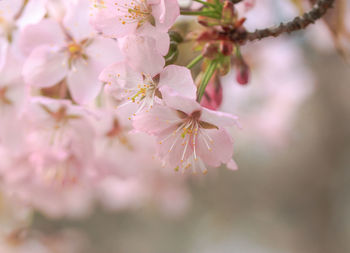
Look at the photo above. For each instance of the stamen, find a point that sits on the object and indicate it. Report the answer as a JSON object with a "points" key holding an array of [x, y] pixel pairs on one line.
{"points": [[137, 11]]}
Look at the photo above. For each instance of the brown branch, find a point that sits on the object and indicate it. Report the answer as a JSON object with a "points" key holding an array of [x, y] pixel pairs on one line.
{"points": [[298, 23]]}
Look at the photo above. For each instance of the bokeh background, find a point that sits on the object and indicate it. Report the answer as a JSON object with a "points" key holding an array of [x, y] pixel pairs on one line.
{"points": [[291, 193]]}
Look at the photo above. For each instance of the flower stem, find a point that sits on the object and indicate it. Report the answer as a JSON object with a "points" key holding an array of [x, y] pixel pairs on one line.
{"points": [[205, 3], [211, 14], [210, 70], [195, 61]]}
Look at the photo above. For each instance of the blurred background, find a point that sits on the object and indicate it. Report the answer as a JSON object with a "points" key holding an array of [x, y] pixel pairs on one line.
{"points": [[291, 193]]}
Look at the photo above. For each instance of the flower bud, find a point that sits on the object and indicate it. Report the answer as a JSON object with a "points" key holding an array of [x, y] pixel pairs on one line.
{"points": [[242, 73], [206, 21], [212, 98], [228, 15], [224, 66], [210, 50], [226, 48]]}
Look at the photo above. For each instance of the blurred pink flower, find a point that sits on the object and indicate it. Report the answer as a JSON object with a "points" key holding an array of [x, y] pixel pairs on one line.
{"points": [[54, 171], [69, 50]]}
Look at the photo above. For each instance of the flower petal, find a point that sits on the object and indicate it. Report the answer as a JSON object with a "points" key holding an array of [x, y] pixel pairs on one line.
{"points": [[165, 14], [142, 55], [47, 31], [118, 77], [76, 20], [110, 19], [220, 119], [161, 38], [214, 146], [179, 102], [173, 148], [45, 67], [105, 51], [83, 81], [157, 120], [179, 79]]}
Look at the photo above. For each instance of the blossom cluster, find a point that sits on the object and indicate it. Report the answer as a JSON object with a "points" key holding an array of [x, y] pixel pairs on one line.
{"points": [[91, 108]]}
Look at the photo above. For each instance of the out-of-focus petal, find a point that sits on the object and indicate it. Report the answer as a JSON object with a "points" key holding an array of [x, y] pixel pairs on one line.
{"points": [[47, 32], [83, 81], [45, 67], [142, 55]]}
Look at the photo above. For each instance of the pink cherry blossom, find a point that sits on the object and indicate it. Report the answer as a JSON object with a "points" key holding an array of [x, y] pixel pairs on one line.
{"points": [[143, 87], [125, 17], [55, 170], [189, 136], [151, 18], [69, 51]]}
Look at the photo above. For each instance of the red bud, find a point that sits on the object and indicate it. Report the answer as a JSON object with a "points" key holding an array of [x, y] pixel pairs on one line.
{"points": [[242, 73]]}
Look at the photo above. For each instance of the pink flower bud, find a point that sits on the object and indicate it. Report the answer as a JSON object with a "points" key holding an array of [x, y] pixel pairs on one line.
{"points": [[210, 50], [226, 48], [212, 98], [242, 73]]}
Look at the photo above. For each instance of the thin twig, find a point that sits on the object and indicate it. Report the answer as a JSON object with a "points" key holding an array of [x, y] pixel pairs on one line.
{"points": [[298, 23]]}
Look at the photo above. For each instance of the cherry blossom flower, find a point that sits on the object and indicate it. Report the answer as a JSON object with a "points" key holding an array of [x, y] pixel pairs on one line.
{"points": [[55, 169], [143, 86], [125, 17], [150, 18], [189, 136], [69, 51]]}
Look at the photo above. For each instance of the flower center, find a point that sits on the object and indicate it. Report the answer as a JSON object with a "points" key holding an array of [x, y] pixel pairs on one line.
{"points": [[6, 29], [75, 50], [136, 11], [144, 93], [116, 132], [189, 132], [3, 97], [64, 172]]}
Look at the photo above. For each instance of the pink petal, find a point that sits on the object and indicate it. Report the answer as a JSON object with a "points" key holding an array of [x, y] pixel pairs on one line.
{"points": [[10, 69], [165, 14], [173, 148], [214, 146], [47, 31], [9, 8], [142, 55], [45, 67], [34, 11], [157, 120], [76, 20], [121, 75], [109, 19], [179, 79], [83, 81], [179, 102], [232, 165], [161, 38], [105, 51], [220, 119]]}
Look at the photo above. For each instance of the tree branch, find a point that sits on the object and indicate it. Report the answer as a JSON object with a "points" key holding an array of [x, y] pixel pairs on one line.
{"points": [[298, 23]]}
